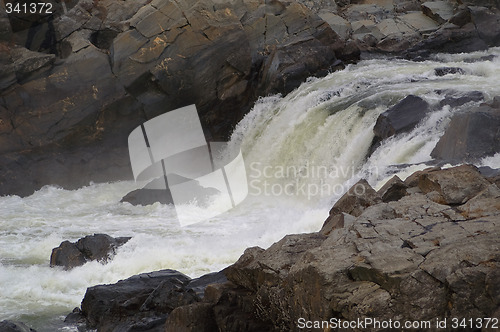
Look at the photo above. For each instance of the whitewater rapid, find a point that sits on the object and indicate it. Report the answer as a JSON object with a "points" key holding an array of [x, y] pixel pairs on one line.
{"points": [[313, 142]]}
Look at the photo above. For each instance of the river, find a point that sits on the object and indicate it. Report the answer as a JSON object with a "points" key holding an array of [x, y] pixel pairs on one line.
{"points": [[302, 152]]}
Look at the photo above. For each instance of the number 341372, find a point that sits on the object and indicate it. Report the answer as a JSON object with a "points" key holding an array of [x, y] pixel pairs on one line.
{"points": [[28, 8]]}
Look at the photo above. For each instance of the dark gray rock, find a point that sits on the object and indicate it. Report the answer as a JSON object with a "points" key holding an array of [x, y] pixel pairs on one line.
{"points": [[489, 172], [67, 255], [461, 17], [150, 195], [442, 71], [98, 247], [470, 136], [132, 303], [487, 23], [143, 303], [455, 99], [440, 11], [10, 326], [459, 40], [400, 118]]}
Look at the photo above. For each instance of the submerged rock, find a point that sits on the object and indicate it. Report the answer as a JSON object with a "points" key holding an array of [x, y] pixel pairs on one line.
{"points": [[456, 99], [93, 247], [11, 326], [148, 196], [442, 71]]}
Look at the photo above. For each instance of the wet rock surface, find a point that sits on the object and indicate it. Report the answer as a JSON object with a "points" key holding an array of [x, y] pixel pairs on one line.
{"points": [[97, 247], [11, 326], [429, 250], [402, 117]]}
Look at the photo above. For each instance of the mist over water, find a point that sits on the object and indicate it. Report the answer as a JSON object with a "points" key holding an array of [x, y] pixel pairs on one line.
{"points": [[316, 138]]}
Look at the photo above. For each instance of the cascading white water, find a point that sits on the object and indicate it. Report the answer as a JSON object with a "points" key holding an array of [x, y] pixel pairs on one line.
{"points": [[302, 152]]}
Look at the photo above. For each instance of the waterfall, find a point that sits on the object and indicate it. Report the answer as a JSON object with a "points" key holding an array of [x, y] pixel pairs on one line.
{"points": [[309, 147], [328, 123]]}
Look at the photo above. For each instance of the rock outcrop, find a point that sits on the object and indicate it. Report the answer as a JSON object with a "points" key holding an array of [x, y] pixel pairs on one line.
{"points": [[98, 247], [416, 258], [466, 31], [422, 249]]}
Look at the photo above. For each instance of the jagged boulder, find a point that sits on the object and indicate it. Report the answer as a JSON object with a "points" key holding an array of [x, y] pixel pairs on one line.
{"points": [[393, 190], [118, 306], [440, 11], [98, 247], [350, 205], [357, 199]]}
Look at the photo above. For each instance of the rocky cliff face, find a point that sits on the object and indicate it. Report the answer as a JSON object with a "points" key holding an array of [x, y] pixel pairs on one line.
{"points": [[66, 116], [76, 82], [425, 248]]}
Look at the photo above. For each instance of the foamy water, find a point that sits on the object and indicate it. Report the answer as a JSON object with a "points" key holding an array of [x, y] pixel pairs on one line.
{"points": [[301, 151]]}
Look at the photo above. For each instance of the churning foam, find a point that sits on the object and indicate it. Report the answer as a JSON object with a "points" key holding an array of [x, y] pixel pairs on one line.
{"points": [[326, 123]]}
